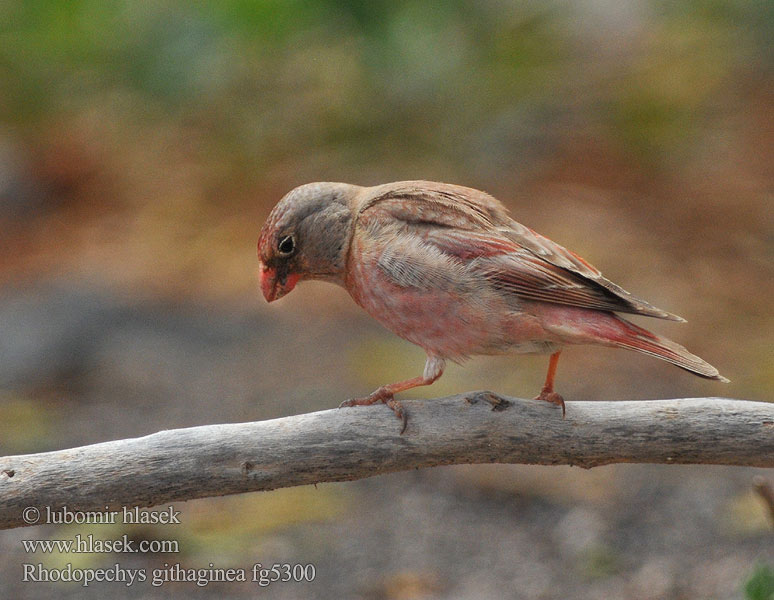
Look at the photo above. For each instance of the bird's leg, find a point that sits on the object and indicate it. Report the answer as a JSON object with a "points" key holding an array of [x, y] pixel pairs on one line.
{"points": [[433, 370], [547, 393]]}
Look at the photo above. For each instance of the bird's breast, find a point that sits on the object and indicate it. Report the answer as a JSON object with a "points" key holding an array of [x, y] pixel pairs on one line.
{"points": [[446, 321]]}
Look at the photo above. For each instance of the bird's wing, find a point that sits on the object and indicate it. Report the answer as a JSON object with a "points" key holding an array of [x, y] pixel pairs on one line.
{"points": [[473, 228], [434, 203]]}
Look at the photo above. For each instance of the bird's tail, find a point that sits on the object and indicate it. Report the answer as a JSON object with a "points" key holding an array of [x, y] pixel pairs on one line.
{"points": [[631, 337]]}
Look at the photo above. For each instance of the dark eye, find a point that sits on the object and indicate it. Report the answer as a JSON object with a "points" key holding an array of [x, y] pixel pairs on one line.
{"points": [[287, 245]]}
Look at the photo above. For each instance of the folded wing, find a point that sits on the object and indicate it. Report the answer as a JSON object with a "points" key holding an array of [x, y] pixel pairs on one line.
{"points": [[473, 229]]}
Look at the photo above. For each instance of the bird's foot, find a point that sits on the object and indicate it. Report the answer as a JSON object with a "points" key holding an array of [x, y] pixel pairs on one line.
{"points": [[399, 411], [551, 396], [381, 395], [366, 401]]}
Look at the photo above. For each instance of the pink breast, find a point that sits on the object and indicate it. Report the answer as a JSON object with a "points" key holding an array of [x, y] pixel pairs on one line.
{"points": [[444, 323]]}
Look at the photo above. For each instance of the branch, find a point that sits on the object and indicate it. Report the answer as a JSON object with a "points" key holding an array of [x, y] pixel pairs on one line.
{"points": [[353, 443]]}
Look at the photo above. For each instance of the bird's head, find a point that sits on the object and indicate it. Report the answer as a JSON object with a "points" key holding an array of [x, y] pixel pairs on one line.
{"points": [[306, 237]]}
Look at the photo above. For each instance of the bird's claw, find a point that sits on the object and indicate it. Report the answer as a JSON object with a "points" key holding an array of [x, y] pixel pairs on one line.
{"points": [[365, 401], [399, 411], [553, 398], [386, 398], [352, 402]]}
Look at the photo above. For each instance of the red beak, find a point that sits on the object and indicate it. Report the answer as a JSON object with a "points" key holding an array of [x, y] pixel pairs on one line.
{"points": [[268, 278], [272, 287]]}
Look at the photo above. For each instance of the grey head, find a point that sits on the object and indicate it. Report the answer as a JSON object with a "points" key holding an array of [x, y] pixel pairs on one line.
{"points": [[306, 236]]}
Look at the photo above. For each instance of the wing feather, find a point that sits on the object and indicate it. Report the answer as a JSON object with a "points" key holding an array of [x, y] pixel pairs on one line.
{"points": [[473, 228]]}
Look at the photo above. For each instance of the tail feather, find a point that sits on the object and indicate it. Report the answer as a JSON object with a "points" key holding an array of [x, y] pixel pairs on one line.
{"points": [[642, 340]]}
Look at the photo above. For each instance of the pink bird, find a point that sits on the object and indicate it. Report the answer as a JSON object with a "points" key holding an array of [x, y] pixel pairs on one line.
{"points": [[445, 267]]}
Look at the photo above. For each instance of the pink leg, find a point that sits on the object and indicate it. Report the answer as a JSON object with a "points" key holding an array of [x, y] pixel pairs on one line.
{"points": [[433, 370], [547, 393]]}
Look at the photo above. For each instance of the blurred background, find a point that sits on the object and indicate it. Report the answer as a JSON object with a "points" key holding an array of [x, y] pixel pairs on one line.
{"points": [[143, 144]]}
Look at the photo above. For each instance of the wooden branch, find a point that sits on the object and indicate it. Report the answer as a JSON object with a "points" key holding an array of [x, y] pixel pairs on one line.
{"points": [[352, 443]]}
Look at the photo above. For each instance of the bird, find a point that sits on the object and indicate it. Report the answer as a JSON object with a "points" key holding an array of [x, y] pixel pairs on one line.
{"points": [[446, 268]]}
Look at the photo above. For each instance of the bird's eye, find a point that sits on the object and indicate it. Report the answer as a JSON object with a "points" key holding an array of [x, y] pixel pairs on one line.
{"points": [[286, 245]]}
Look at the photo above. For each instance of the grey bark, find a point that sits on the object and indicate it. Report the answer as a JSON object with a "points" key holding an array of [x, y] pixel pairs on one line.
{"points": [[353, 443]]}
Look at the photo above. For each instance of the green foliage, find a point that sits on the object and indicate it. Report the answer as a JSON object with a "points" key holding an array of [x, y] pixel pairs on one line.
{"points": [[760, 585], [373, 78]]}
